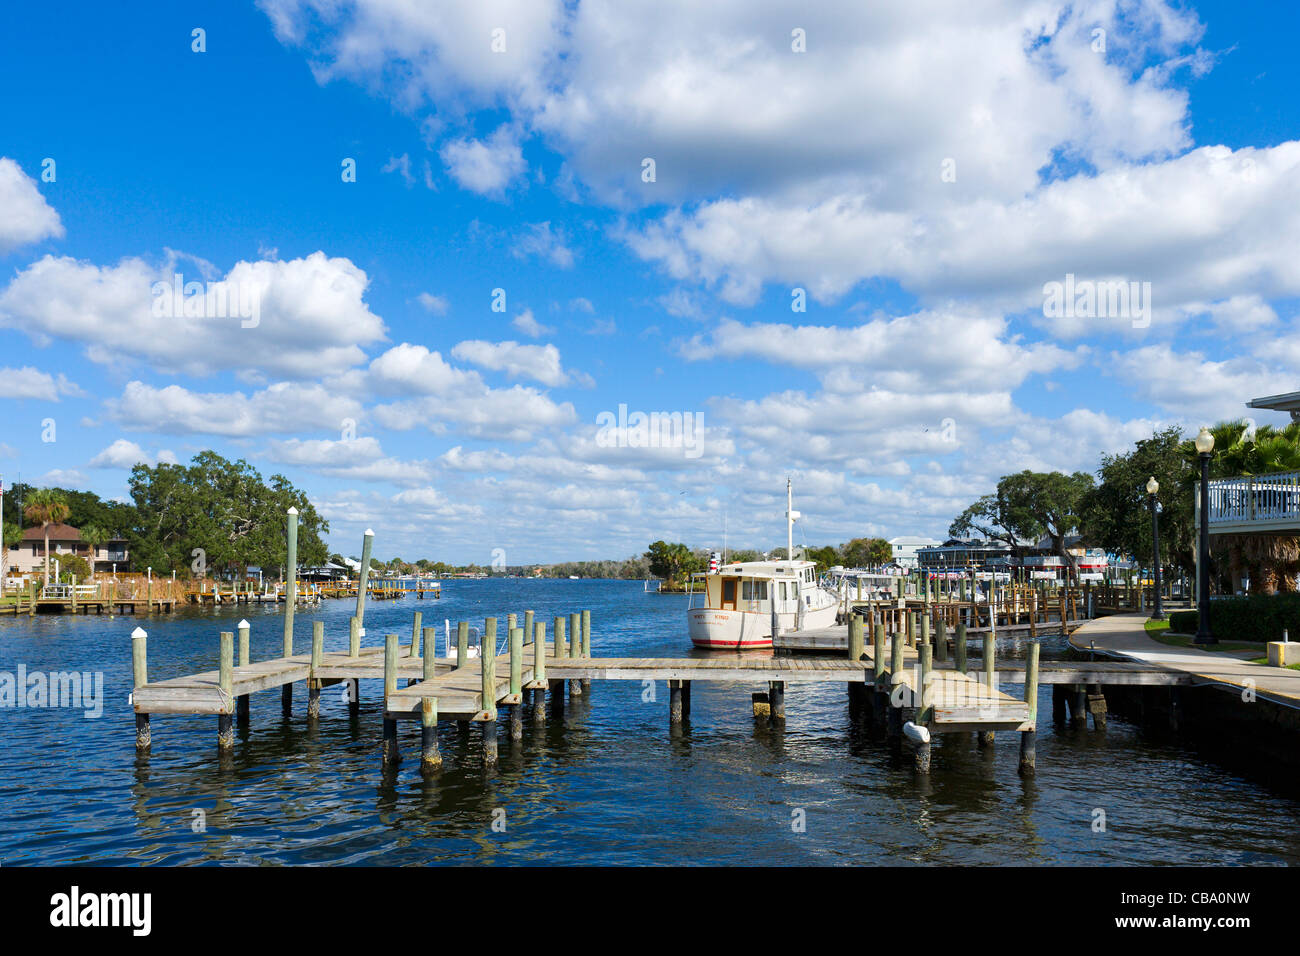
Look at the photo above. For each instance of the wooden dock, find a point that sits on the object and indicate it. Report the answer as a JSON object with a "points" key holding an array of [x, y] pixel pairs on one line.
{"points": [[905, 678], [891, 682]]}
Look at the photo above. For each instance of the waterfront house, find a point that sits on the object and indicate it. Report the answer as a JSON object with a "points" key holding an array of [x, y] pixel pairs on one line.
{"points": [[28, 554]]}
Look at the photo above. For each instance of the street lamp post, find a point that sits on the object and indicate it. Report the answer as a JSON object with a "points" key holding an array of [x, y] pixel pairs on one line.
{"points": [[1152, 487], [1204, 447]]}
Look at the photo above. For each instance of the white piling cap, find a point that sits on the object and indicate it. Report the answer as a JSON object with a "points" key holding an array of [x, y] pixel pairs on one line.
{"points": [[916, 733], [292, 510], [138, 634], [243, 625], [369, 533]]}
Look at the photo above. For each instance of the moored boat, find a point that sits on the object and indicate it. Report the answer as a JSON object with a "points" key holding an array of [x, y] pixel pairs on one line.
{"points": [[745, 602]]}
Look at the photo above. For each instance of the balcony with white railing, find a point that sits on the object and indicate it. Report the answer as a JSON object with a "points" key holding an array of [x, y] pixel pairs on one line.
{"points": [[1259, 503]]}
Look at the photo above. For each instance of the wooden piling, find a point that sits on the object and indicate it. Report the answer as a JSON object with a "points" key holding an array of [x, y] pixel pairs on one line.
{"points": [[586, 647], [140, 673], [429, 660], [941, 640], [415, 635], [924, 710], [575, 650], [1028, 737], [674, 701], [539, 671], [959, 648], [880, 695], [488, 664], [990, 650], [354, 636], [363, 577], [317, 658], [856, 649], [1079, 713], [391, 756], [226, 681], [516, 683], [561, 644], [462, 643], [241, 707], [776, 701], [1097, 706], [528, 626], [290, 580], [430, 757]]}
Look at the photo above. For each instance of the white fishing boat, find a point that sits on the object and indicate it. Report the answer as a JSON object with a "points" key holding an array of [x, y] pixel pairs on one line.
{"points": [[744, 603]]}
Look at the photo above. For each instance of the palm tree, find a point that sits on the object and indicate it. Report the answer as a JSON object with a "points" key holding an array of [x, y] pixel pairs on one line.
{"points": [[45, 507], [95, 537]]}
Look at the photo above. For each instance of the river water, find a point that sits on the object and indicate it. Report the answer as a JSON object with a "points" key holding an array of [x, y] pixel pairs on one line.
{"points": [[612, 785]]}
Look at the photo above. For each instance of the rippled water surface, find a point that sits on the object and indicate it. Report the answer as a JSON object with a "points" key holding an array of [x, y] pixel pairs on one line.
{"points": [[611, 785]]}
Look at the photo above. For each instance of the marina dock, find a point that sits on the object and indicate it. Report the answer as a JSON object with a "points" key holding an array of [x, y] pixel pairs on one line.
{"points": [[894, 682]]}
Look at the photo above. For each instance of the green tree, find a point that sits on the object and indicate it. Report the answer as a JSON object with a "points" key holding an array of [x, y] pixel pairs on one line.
{"points": [[825, 557], [224, 510], [1116, 514], [987, 518], [671, 561], [1046, 502], [45, 507], [73, 565], [867, 552]]}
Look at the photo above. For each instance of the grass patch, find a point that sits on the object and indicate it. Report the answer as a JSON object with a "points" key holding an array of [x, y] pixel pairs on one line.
{"points": [[1159, 631]]}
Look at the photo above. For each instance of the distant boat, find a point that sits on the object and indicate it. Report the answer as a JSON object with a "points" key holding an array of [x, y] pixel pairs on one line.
{"points": [[744, 602], [573, 577]]}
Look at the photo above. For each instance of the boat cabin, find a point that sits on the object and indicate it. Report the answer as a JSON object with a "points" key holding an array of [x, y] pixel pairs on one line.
{"points": [[749, 586]]}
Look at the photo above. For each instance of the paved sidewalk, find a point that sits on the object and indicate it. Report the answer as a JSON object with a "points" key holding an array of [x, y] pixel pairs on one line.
{"points": [[1124, 635]]}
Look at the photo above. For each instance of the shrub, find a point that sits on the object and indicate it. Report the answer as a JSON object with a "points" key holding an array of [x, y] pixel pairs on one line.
{"points": [[70, 564], [1258, 617]]}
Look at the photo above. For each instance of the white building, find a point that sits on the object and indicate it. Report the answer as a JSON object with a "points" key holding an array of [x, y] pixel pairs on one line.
{"points": [[906, 546]]}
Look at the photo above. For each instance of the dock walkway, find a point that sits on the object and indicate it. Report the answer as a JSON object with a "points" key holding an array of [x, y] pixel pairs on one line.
{"points": [[1124, 636]]}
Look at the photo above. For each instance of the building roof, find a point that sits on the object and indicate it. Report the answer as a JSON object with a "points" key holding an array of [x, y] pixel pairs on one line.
{"points": [[58, 532], [1286, 402], [911, 539]]}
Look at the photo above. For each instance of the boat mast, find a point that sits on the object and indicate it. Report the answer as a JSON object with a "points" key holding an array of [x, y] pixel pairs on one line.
{"points": [[790, 515]]}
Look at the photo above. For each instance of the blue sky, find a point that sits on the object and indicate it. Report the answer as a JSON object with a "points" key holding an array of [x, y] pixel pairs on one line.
{"points": [[920, 175]]}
